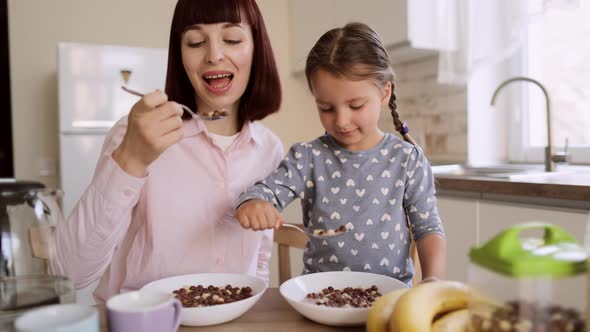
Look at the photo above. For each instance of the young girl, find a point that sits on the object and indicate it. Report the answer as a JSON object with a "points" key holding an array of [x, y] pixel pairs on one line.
{"points": [[355, 175], [160, 200]]}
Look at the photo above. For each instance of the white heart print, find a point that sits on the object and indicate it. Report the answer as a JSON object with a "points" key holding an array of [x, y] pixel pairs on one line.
{"points": [[350, 183], [384, 261], [385, 174], [321, 260], [375, 201], [299, 166], [374, 246], [325, 200], [391, 246], [413, 209], [336, 152], [335, 215], [334, 259], [370, 178], [309, 184], [309, 261], [384, 191], [359, 237], [384, 235], [297, 155], [398, 227], [349, 226], [356, 165], [369, 222], [424, 215], [360, 193], [384, 152], [386, 216], [396, 270], [356, 208], [324, 243], [346, 268], [354, 252], [343, 201], [328, 162], [343, 160], [341, 244], [321, 179], [375, 161], [392, 201], [367, 267], [397, 146], [335, 190], [336, 175], [398, 183], [315, 152]]}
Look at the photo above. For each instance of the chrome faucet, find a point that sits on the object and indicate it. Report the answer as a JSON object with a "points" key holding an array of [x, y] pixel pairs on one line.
{"points": [[550, 158]]}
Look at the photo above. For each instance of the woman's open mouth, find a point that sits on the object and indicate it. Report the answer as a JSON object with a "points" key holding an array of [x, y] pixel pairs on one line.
{"points": [[218, 82]]}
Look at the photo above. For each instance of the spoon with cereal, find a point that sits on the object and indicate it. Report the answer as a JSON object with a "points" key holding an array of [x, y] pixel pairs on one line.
{"points": [[213, 115], [320, 233]]}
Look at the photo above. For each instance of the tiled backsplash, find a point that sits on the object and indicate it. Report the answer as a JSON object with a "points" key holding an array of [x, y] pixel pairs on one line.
{"points": [[436, 113]]}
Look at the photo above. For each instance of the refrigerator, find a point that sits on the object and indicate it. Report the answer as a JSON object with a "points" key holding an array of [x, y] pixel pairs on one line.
{"points": [[90, 101]]}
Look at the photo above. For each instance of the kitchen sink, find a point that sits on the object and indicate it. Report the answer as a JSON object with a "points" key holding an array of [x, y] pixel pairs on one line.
{"points": [[505, 171]]}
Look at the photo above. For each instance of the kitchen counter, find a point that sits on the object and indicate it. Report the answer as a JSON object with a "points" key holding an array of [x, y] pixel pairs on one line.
{"points": [[566, 190], [270, 313]]}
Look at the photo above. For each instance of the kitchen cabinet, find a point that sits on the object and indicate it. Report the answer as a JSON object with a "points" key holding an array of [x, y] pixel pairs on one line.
{"points": [[459, 216], [401, 24], [496, 216]]}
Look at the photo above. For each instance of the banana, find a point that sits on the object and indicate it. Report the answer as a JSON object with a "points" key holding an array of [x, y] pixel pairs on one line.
{"points": [[415, 310], [454, 321], [381, 310]]}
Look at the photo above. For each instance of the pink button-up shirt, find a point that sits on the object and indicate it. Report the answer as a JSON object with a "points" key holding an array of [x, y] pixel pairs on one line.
{"points": [[176, 220]]}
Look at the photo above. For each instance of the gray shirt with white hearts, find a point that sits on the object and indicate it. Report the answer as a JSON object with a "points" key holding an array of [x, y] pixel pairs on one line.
{"points": [[375, 193]]}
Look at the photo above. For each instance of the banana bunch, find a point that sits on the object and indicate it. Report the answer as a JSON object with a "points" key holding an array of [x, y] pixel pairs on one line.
{"points": [[431, 307]]}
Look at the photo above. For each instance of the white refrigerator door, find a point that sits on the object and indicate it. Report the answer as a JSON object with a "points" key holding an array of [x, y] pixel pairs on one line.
{"points": [[90, 79], [79, 154]]}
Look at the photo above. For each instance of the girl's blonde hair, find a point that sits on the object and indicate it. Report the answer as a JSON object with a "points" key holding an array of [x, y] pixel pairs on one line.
{"points": [[356, 52]]}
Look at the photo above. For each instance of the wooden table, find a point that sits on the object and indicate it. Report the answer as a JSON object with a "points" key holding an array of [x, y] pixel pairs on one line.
{"points": [[270, 313]]}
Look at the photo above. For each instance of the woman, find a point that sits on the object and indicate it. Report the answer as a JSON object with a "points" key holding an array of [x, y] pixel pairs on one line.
{"points": [[159, 200]]}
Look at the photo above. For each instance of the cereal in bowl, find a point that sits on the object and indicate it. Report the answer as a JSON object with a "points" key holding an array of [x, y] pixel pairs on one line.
{"points": [[201, 296], [347, 297]]}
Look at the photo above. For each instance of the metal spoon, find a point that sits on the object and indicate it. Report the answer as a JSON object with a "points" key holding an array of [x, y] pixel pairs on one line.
{"points": [[184, 107], [313, 235]]}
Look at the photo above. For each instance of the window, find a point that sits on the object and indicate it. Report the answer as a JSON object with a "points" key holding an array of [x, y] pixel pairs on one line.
{"points": [[556, 54]]}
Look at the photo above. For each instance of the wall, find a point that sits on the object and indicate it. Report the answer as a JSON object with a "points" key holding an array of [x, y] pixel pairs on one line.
{"points": [[436, 113]]}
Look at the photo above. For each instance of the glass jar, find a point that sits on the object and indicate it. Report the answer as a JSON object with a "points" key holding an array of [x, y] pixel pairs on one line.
{"points": [[528, 283], [28, 213]]}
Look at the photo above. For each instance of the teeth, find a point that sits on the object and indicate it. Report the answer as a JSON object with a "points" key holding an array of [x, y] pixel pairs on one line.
{"points": [[217, 76]]}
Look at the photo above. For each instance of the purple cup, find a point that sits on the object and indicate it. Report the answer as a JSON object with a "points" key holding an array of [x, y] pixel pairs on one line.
{"points": [[143, 311]]}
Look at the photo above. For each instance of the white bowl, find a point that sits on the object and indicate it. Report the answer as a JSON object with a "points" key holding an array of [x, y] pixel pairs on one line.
{"points": [[296, 289], [216, 314]]}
